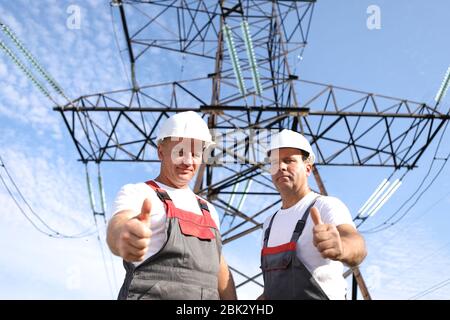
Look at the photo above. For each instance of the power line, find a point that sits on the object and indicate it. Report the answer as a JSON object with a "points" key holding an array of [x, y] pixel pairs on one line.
{"points": [[113, 269], [118, 45], [103, 256], [383, 226], [41, 70], [419, 261], [25, 70], [431, 289], [421, 215], [426, 257], [31, 59], [101, 212], [53, 233]]}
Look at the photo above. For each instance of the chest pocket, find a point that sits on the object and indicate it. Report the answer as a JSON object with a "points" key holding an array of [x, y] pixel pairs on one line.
{"points": [[190, 228]]}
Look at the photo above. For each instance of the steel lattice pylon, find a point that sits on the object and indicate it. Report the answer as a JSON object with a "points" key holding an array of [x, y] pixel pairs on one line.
{"points": [[345, 127]]}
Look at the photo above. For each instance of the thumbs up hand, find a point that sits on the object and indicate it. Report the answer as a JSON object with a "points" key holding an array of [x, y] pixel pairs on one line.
{"points": [[144, 216], [135, 235], [326, 237]]}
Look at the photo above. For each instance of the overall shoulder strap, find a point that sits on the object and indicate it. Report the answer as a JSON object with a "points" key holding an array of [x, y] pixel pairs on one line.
{"points": [[162, 194], [202, 204], [267, 232], [204, 208], [301, 223]]}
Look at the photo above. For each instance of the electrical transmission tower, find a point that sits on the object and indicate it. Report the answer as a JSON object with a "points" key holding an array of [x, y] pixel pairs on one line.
{"points": [[244, 81]]}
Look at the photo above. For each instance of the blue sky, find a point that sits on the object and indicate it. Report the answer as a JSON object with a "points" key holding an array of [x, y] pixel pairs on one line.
{"points": [[406, 58]]}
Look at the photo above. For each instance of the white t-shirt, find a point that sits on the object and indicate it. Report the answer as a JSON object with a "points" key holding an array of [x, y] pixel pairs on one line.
{"points": [[328, 273], [131, 197]]}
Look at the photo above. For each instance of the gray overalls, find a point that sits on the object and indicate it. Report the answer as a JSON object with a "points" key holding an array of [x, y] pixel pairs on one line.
{"points": [[187, 266], [285, 276]]}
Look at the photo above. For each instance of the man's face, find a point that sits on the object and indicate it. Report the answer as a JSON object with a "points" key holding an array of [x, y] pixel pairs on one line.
{"points": [[289, 171], [180, 159]]}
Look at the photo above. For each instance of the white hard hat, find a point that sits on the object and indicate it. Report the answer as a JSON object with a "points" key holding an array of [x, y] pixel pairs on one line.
{"points": [[291, 139], [186, 124]]}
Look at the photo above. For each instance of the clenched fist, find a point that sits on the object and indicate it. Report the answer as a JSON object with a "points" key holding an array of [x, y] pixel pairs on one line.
{"points": [[134, 237], [326, 238]]}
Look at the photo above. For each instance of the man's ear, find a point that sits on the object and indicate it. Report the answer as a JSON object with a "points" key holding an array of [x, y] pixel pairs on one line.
{"points": [[160, 152], [308, 167]]}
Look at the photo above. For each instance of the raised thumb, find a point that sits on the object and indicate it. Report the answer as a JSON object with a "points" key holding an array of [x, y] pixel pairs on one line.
{"points": [[315, 216], [144, 216]]}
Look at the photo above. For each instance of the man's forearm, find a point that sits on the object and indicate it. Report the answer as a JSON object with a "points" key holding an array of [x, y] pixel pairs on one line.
{"points": [[227, 289], [354, 249]]}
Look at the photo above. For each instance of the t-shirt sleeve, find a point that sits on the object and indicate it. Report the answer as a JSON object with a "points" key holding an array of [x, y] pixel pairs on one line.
{"points": [[334, 211], [128, 198]]}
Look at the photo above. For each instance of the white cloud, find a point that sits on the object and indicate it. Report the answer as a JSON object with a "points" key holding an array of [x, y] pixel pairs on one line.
{"points": [[3, 69], [11, 21], [243, 255], [94, 3], [72, 57], [37, 267], [56, 190], [402, 264]]}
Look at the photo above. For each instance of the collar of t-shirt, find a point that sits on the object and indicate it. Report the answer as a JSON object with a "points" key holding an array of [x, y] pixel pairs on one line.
{"points": [[306, 200], [175, 190]]}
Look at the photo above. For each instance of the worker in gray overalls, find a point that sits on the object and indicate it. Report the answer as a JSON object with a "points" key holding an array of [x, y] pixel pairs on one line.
{"points": [[302, 257], [167, 236]]}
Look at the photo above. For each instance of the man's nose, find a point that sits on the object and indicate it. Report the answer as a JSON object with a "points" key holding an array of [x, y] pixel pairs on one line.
{"points": [[282, 166], [188, 159], [277, 167]]}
